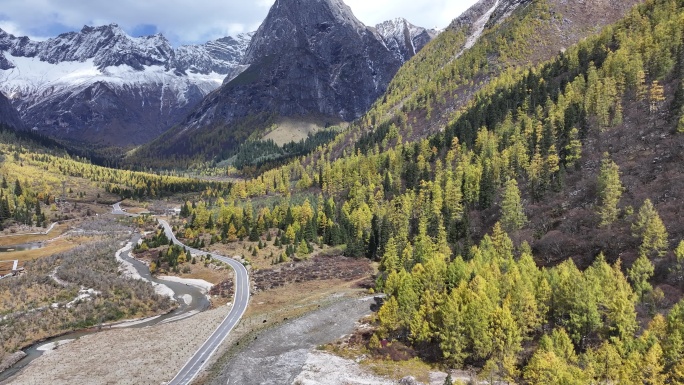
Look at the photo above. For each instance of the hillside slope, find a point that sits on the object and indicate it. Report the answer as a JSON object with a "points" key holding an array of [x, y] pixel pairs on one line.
{"points": [[489, 39]]}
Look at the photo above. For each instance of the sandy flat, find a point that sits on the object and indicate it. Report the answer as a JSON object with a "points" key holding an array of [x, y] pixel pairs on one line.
{"points": [[198, 283], [149, 355], [322, 368], [52, 346]]}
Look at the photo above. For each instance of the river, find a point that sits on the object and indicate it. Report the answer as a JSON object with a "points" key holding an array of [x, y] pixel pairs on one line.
{"points": [[191, 300], [22, 247]]}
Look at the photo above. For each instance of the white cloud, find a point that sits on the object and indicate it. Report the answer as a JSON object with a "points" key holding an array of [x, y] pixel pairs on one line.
{"points": [[427, 13], [184, 21], [14, 29]]}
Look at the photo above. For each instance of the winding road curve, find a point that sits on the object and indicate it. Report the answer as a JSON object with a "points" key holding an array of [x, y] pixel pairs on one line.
{"points": [[200, 358], [197, 362]]}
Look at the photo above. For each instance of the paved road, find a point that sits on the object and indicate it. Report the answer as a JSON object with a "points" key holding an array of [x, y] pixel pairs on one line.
{"points": [[117, 210], [197, 362], [200, 358]]}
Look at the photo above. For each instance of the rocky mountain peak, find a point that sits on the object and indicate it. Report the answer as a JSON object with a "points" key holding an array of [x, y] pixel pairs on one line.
{"points": [[106, 45], [308, 59], [220, 56], [319, 56], [313, 11], [295, 23], [112, 28], [404, 38]]}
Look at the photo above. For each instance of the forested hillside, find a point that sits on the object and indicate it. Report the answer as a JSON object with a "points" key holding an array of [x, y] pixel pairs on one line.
{"points": [[35, 172], [537, 236], [430, 90]]}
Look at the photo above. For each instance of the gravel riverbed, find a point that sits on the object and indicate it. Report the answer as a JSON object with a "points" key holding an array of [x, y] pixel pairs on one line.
{"points": [[278, 355]]}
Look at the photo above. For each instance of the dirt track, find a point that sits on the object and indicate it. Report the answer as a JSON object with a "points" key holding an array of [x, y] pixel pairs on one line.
{"points": [[278, 355]]}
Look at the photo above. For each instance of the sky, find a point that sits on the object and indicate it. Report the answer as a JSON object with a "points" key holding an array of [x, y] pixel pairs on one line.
{"points": [[196, 21]]}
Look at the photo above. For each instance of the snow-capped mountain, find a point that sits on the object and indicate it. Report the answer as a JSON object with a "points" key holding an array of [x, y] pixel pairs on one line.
{"points": [[403, 38], [103, 86], [219, 56], [309, 58]]}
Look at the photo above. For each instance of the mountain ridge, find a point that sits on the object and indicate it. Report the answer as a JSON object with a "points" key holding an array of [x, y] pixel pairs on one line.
{"points": [[102, 86], [404, 38], [490, 38], [308, 59]]}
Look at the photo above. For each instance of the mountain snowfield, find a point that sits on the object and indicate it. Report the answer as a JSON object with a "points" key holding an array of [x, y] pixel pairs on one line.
{"points": [[33, 81], [104, 86], [33, 78]]}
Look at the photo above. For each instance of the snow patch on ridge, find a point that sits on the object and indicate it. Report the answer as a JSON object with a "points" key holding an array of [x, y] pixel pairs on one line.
{"points": [[402, 38], [478, 27], [33, 77]]}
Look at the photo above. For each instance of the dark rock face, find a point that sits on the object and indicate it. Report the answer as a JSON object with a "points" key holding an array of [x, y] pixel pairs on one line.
{"points": [[4, 63], [104, 113], [102, 86], [309, 57], [8, 115]]}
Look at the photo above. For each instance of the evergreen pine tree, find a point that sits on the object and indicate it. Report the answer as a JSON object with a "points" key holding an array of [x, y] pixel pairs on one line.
{"points": [[650, 228], [609, 191], [512, 214], [17, 188], [573, 150], [254, 234], [640, 272], [487, 186]]}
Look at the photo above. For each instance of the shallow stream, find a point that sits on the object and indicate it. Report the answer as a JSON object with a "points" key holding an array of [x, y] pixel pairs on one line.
{"points": [[22, 247]]}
